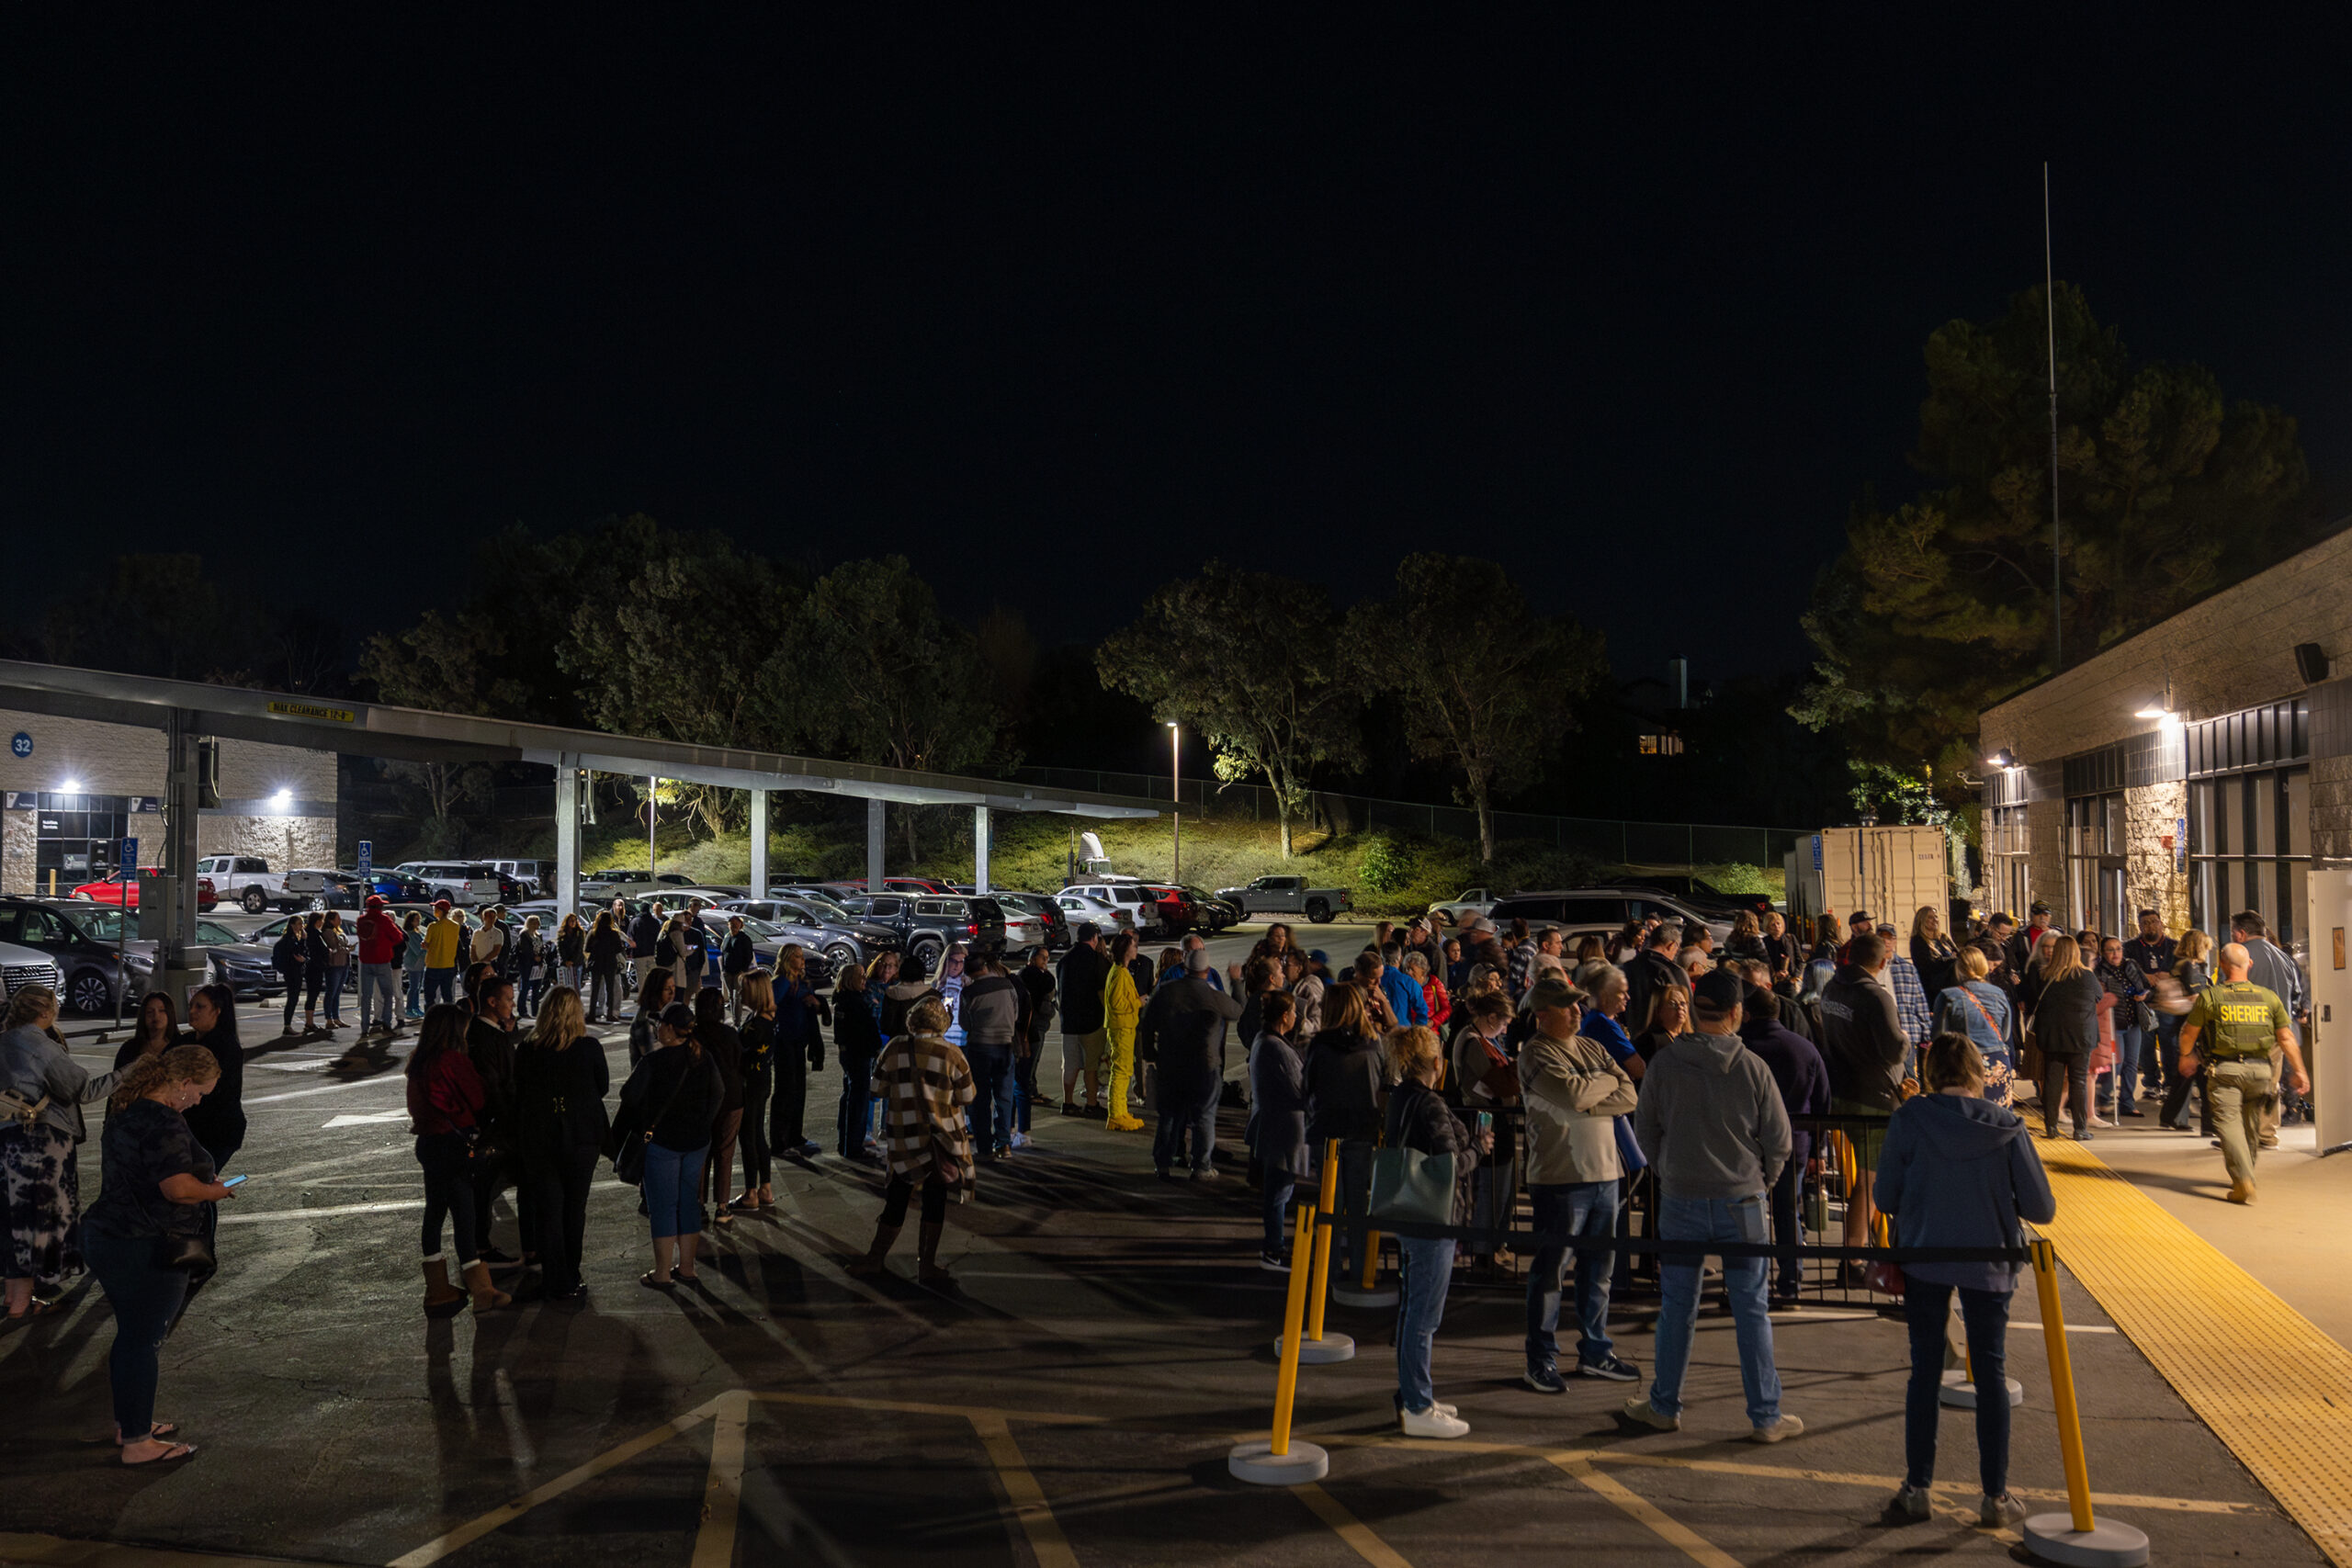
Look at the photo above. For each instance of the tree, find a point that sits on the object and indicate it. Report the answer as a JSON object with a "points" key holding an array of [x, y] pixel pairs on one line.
{"points": [[1941, 607], [871, 670], [1485, 682], [1251, 661], [443, 665]]}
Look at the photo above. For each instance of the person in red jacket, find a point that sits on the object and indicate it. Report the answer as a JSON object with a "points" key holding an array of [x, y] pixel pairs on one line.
{"points": [[444, 1106], [379, 956]]}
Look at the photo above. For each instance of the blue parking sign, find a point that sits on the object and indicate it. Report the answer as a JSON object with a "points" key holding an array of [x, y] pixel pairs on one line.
{"points": [[21, 743], [366, 857], [131, 857]]}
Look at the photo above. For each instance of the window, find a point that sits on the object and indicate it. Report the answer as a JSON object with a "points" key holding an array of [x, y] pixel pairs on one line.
{"points": [[2009, 842], [2250, 847], [2095, 851], [1660, 743], [1593, 911]]}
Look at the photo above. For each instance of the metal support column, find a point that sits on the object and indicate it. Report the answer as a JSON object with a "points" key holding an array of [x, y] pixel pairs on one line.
{"points": [[176, 973], [568, 780], [759, 844], [981, 848], [873, 826]]}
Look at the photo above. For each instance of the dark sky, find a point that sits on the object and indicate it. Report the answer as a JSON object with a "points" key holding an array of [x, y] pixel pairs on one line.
{"points": [[1059, 307]]}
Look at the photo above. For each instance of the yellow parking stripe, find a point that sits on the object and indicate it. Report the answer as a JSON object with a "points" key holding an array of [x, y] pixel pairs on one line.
{"points": [[1348, 1528], [2271, 1387]]}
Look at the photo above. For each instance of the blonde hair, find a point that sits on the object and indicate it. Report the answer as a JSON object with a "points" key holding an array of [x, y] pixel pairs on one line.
{"points": [[928, 1016], [2194, 945], [32, 1005], [1409, 1050], [759, 991], [792, 961], [560, 1020], [1926, 915], [2065, 958], [181, 1063], [1971, 964], [1342, 1009]]}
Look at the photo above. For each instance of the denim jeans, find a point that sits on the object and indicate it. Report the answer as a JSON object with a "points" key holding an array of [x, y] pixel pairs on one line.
{"points": [[1714, 1219], [856, 1109], [2129, 1044], [449, 1193], [673, 1178], [337, 973], [413, 982], [1580, 1209], [991, 1108], [377, 995], [1185, 1108], [145, 1299], [440, 985], [1355, 1177], [526, 996], [1427, 1268], [1278, 1188], [1984, 1315]]}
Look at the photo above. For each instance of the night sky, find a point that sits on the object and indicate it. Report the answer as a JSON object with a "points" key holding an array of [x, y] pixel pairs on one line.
{"points": [[1059, 310]]}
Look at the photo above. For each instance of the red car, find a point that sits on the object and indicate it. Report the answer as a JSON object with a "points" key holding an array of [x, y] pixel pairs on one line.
{"points": [[111, 891], [1177, 914]]}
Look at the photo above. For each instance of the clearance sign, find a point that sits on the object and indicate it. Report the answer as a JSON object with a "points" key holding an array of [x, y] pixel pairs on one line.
{"points": [[306, 710]]}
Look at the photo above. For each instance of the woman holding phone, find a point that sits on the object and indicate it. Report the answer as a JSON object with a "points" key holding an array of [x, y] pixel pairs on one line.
{"points": [[144, 1234]]}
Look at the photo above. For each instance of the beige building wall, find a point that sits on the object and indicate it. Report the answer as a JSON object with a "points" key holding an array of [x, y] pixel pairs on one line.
{"points": [[121, 759]]}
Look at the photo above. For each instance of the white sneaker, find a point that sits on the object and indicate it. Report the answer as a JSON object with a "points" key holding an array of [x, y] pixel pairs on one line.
{"points": [[1019, 1140], [1434, 1422], [1642, 1411], [1784, 1426], [2102, 1121]]}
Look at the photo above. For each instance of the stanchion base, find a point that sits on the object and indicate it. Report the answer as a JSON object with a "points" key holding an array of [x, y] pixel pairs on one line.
{"points": [[1356, 1296], [1258, 1462], [1961, 1395], [1322, 1352], [2107, 1544]]}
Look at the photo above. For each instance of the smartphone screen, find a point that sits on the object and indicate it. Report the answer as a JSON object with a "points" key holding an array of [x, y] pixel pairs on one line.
{"points": [[1485, 1122], [232, 1181]]}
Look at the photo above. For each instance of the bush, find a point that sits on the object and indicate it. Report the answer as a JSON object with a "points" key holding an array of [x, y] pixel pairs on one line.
{"points": [[1384, 865]]}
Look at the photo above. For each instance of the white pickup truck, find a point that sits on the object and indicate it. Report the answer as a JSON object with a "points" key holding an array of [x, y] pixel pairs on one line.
{"points": [[1288, 896], [247, 881]]}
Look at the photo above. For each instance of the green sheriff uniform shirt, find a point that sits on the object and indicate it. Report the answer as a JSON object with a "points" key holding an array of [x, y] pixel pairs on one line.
{"points": [[2237, 1020]]}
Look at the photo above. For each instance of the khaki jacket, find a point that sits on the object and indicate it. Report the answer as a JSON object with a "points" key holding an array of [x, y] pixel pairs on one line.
{"points": [[1574, 1093]]}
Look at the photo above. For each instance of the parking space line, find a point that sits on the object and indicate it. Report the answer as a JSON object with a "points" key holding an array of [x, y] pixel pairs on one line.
{"points": [[1029, 1507], [1348, 1528], [723, 1491], [270, 1217], [973, 1413], [1681, 1537]]}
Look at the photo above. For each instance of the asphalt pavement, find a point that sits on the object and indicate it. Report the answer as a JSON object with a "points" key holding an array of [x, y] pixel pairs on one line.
{"points": [[1070, 1400]]}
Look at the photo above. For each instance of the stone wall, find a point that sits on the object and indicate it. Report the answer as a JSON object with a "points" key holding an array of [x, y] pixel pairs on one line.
{"points": [[287, 843], [19, 835], [2150, 813]]}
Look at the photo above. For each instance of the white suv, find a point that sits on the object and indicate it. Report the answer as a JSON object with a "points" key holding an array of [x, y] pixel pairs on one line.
{"points": [[464, 883], [22, 967]]}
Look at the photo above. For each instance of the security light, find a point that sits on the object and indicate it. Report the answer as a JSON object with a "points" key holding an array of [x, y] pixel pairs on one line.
{"points": [[2003, 758]]}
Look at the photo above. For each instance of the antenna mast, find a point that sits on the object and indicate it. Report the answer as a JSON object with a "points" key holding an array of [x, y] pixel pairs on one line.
{"points": [[2049, 304]]}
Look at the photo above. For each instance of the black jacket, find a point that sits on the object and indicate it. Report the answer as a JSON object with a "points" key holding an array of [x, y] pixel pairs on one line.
{"points": [[2065, 1016], [1418, 1120], [1183, 1030], [219, 1119], [492, 1050], [1644, 972], [560, 1097], [1037, 999], [1343, 1075], [605, 949], [856, 1037], [725, 1049], [687, 1082], [739, 955], [1083, 971], [644, 935], [1862, 1041]]}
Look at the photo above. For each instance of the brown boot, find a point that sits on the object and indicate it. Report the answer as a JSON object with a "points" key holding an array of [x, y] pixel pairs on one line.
{"points": [[928, 1269], [487, 1296], [441, 1297], [876, 1256], [2241, 1191]]}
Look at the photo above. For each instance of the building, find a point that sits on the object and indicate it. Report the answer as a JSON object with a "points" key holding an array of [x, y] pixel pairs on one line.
{"points": [[2201, 767], [71, 790]]}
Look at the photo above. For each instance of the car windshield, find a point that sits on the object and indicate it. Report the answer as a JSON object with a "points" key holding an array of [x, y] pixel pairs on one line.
{"points": [[763, 930], [103, 924], [211, 933]]}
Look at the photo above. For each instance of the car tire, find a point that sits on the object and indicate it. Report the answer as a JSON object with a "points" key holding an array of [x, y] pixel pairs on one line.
{"points": [[89, 993], [1318, 913], [208, 909], [926, 953], [842, 955], [255, 901]]}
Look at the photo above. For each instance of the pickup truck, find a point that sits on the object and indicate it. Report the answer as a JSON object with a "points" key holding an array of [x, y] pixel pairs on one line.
{"points": [[1288, 896], [247, 881]]}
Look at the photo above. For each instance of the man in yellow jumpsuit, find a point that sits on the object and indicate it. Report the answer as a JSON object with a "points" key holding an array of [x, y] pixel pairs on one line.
{"points": [[1121, 1008]]}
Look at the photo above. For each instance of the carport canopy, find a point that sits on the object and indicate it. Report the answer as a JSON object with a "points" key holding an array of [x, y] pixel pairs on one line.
{"points": [[187, 711]]}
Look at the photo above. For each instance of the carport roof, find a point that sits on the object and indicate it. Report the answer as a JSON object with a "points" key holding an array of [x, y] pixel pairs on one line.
{"points": [[415, 735]]}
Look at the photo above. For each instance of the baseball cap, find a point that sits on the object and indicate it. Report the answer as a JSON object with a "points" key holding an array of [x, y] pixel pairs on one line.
{"points": [[1314, 955], [1554, 993], [1718, 992], [374, 900], [1858, 918]]}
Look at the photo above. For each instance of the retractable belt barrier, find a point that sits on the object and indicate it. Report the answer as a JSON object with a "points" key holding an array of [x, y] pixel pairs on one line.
{"points": [[2076, 1535]]}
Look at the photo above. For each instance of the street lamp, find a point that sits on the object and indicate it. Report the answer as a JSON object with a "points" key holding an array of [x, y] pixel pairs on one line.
{"points": [[1175, 801]]}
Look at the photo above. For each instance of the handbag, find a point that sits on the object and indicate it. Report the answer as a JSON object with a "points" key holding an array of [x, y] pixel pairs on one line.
{"points": [[25, 1112], [189, 1252], [1413, 1187]]}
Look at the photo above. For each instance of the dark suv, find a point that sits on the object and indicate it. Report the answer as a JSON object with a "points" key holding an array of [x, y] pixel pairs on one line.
{"points": [[927, 924]]}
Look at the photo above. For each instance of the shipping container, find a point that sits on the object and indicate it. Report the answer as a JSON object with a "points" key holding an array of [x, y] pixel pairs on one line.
{"points": [[1890, 872]]}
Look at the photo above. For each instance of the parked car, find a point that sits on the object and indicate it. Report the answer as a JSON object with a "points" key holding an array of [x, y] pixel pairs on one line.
{"points": [[532, 878], [92, 970], [1597, 912], [466, 882], [1080, 908], [247, 881], [1031, 919], [21, 966], [392, 886], [769, 939], [1472, 901], [914, 884], [1141, 904], [1708, 900], [115, 890], [821, 926], [324, 887], [1214, 913], [928, 924], [1178, 913], [1289, 896]]}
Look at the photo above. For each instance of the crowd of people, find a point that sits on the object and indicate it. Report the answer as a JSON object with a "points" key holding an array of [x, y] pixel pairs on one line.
{"points": [[1652, 1068]]}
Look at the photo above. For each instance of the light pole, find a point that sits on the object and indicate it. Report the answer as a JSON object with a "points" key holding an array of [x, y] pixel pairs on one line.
{"points": [[1176, 801]]}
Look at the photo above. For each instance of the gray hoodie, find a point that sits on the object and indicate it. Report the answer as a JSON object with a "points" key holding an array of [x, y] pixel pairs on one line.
{"points": [[1710, 1120]]}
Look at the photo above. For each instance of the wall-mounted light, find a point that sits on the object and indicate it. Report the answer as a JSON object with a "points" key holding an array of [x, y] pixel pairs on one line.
{"points": [[71, 786], [2004, 758], [283, 800]]}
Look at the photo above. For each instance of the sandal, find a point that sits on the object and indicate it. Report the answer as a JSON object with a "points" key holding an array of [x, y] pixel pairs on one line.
{"points": [[176, 1452], [159, 1430], [648, 1279]]}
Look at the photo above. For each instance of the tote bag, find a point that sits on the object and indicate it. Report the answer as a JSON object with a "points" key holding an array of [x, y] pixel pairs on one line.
{"points": [[1413, 1187]]}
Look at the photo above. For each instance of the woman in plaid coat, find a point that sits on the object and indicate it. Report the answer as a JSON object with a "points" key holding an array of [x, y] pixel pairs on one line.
{"points": [[923, 1083]]}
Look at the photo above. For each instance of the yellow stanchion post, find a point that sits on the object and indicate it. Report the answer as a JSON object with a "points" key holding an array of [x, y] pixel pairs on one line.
{"points": [[1370, 1258], [1370, 1293], [1316, 1347], [1280, 1462], [2074, 1537]]}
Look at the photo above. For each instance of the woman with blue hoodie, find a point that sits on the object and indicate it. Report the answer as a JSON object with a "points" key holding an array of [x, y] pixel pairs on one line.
{"points": [[1957, 1171]]}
